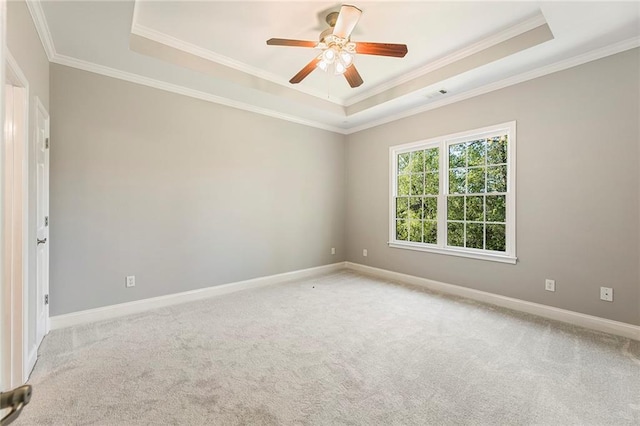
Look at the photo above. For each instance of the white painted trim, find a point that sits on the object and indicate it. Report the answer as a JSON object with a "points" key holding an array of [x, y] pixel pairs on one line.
{"points": [[115, 311], [453, 252], [510, 81], [31, 363], [40, 107], [442, 143], [575, 318], [486, 43], [181, 90], [38, 16], [42, 28], [14, 69], [193, 49], [593, 55], [5, 304]]}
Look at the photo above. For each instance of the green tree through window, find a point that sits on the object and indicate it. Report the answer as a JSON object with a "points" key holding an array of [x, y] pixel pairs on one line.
{"points": [[455, 195], [476, 213], [418, 183]]}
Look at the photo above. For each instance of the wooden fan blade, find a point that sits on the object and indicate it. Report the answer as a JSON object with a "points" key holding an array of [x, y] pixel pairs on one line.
{"points": [[347, 20], [382, 49], [304, 71], [353, 76], [293, 43]]}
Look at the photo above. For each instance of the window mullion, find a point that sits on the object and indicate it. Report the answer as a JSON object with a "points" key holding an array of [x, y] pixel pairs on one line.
{"points": [[443, 174]]}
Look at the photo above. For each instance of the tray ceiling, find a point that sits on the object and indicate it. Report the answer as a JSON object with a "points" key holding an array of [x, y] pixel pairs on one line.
{"points": [[216, 50]]}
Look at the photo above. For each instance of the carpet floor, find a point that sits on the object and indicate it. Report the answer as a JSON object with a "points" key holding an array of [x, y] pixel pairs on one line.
{"points": [[340, 349]]}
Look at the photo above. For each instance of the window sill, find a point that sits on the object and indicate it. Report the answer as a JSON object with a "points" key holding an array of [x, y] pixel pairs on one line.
{"points": [[502, 258]]}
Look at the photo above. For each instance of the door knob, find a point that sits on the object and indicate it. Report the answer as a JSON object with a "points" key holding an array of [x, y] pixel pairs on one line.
{"points": [[41, 241], [15, 400]]}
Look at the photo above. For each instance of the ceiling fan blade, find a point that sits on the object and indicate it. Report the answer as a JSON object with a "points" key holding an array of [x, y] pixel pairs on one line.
{"points": [[293, 43], [353, 76], [305, 71], [347, 20], [382, 49]]}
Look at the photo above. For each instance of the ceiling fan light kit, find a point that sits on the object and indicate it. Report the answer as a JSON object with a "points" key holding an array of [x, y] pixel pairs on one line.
{"points": [[337, 54], [338, 51]]}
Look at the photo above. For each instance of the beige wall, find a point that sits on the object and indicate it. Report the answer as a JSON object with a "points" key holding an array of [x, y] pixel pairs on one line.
{"points": [[24, 45], [181, 193], [578, 139]]}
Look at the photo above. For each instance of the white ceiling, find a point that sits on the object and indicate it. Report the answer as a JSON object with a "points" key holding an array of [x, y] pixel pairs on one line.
{"points": [[216, 50]]}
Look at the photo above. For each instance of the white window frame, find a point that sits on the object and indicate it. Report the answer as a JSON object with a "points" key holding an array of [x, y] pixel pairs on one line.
{"points": [[443, 143]]}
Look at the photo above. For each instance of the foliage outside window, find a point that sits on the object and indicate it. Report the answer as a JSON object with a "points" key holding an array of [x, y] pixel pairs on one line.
{"points": [[456, 194]]}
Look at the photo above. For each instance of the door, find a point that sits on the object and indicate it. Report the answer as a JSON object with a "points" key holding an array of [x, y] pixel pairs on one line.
{"points": [[42, 222]]}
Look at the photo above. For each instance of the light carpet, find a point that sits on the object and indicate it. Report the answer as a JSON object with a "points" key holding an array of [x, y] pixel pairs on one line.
{"points": [[340, 349]]}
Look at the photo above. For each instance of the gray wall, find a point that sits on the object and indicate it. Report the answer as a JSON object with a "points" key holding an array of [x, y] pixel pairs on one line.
{"points": [[25, 46], [186, 194], [181, 193], [578, 189]]}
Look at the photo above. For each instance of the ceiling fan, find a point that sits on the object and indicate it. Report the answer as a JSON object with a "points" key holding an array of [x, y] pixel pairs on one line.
{"points": [[337, 48]]}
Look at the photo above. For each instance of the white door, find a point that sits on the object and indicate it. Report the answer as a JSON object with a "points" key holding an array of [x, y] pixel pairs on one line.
{"points": [[42, 222]]}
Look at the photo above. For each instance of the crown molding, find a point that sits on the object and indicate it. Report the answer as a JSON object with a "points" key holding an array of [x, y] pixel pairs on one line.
{"points": [[37, 14], [496, 38], [193, 49], [593, 55], [42, 28], [181, 90]]}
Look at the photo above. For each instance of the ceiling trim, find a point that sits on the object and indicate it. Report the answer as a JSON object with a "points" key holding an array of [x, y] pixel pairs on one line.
{"points": [[593, 55], [42, 28], [181, 90], [40, 22], [227, 74], [439, 76], [494, 39], [193, 49]]}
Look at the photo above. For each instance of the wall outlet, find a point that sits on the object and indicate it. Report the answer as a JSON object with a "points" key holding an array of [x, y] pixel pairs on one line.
{"points": [[333, 250], [550, 285], [364, 252], [131, 281], [606, 293]]}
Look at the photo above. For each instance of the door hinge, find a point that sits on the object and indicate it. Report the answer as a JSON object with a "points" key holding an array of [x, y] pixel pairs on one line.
{"points": [[46, 143], [46, 221], [46, 299]]}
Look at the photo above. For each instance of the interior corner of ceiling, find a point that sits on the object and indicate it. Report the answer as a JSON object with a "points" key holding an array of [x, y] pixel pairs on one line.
{"points": [[134, 17]]}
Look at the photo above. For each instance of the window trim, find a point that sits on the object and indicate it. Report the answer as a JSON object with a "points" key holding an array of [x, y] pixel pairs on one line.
{"points": [[443, 142]]}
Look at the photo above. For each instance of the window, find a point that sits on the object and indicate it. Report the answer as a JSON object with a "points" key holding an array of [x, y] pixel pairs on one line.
{"points": [[456, 194]]}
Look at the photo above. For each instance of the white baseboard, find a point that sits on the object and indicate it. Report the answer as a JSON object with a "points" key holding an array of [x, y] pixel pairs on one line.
{"points": [[31, 362], [570, 317], [122, 309]]}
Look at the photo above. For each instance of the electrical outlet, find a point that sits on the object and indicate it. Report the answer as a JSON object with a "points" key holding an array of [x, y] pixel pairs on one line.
{"points": [[550, 285], [364, 252], [131, 281], [333, 250], [606, 293]]}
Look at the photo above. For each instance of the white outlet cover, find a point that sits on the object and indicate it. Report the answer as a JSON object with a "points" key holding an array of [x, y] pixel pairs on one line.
{"points": [[364, 252], [606, 294], [130, 281], [550, 285]]}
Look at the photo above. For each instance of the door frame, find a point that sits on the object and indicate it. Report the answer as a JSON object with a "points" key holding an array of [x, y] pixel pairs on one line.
{"points": [[19, 287], [40, 108], [5, 305]]}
